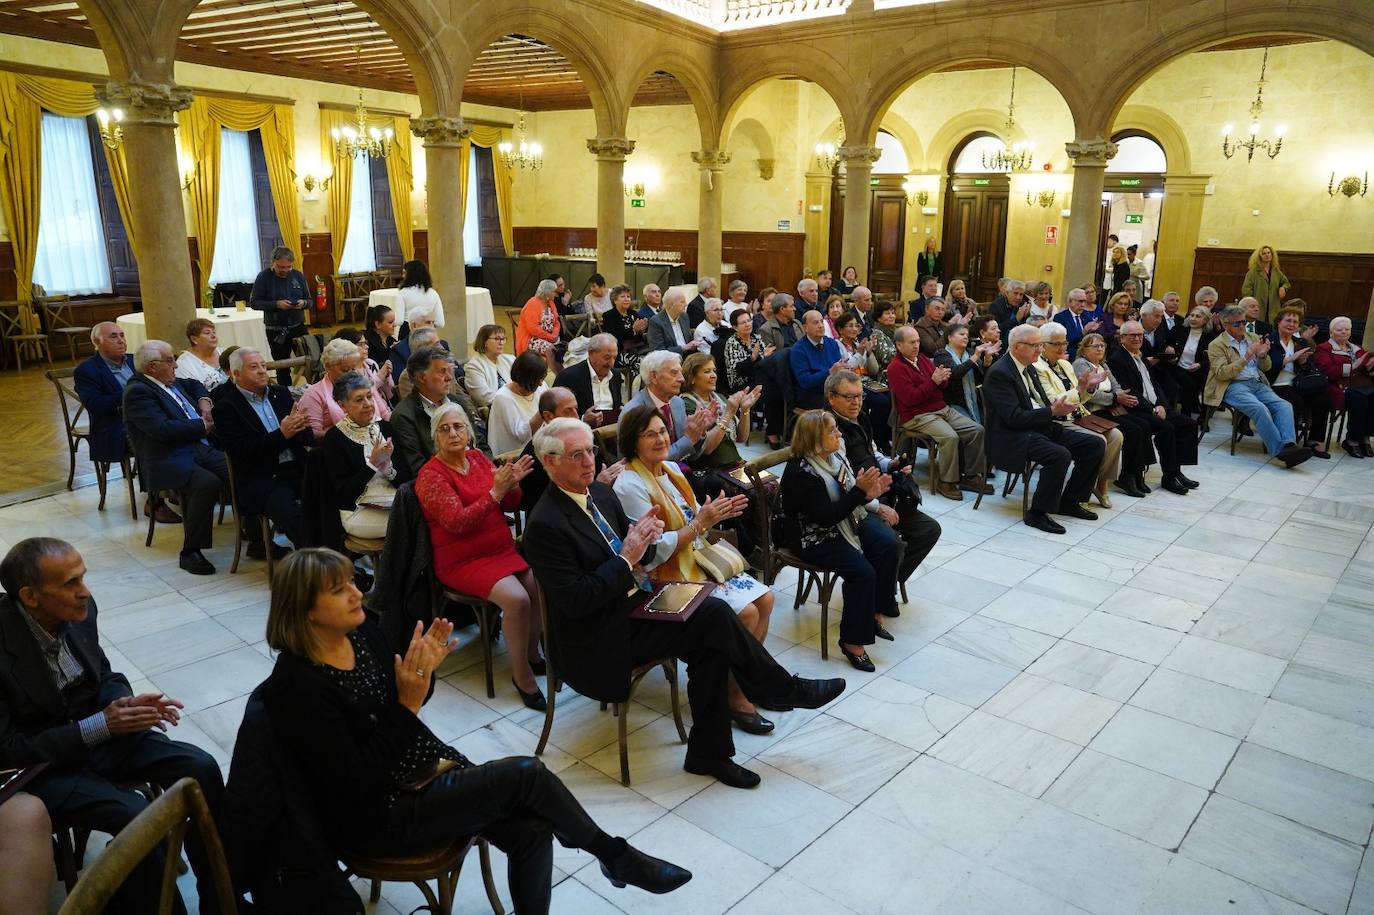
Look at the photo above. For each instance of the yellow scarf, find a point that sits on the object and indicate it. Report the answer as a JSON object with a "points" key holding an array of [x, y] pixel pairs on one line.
{"points": [[683, 565]]}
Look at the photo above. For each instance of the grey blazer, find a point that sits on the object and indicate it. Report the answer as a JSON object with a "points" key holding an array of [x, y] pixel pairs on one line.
{"points": [[661, 332]]}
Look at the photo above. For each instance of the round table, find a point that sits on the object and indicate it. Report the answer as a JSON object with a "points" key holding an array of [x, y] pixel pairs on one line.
{"points": [[478, 307], [234, 328]]}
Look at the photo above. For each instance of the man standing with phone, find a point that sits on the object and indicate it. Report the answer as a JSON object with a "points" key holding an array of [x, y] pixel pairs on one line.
{"points": [[280, 293]]}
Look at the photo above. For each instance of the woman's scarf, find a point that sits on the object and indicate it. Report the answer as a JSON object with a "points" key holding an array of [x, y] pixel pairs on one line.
{"points": [[838, 477], [970, 388], [682, 565], [368, 436]]}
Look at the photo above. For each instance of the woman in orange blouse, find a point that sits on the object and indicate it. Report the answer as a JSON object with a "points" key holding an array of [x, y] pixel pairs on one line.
{"points": [[464, 497], [539, 326]]}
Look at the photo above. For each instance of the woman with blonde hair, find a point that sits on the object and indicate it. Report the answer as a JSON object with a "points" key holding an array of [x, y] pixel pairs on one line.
{"points": [[1266, 282], [1121, 269]]}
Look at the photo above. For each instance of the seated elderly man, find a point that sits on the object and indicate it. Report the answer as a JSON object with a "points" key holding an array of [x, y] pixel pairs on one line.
{"points": [[62, 704], [813, 358], [583, 549], [266, 436], [670, 330], [1175, 435], [1158, 350], [557, 403], [844, 394], [661, 372], [1058, 378], [932, 326], [808, 298], [424, 338], [862, 308], [430, 371], [420, 333], [917, 386], [169, 423], [339, 358], [653, 301], [782, 330], [1011, 307], [592, 382], [707, 288], [1237, 361], [929, 288], [1026, 424]]}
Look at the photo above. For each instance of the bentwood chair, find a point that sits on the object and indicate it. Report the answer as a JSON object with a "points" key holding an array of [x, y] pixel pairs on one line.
{"points": [[442, 865], [353, 293], [165, 820], [57, 309], [19, 328], [241, 524], [78, 430]]}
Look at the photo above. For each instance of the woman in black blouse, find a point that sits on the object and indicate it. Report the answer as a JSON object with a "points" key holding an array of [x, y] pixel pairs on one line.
{"points": [[625, 324], [742, 352], [347, 710]]}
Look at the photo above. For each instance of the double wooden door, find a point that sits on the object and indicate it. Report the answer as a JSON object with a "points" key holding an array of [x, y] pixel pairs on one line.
{"points": [[886, 233], [975, 233]]}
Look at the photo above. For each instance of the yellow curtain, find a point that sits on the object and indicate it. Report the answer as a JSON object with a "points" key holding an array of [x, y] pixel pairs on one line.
{"points": [[489, 137], [400, 179], [200, 139], [340, 185], [21, 166]]}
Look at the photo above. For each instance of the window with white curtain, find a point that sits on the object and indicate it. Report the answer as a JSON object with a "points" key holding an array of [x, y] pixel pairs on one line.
{"points": [[71, 256], [472, 230], [360, 251], [236, 226]]}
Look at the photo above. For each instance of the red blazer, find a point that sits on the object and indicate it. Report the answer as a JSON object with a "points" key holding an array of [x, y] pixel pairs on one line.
{"points": [[1333, 365], [913, 389]]}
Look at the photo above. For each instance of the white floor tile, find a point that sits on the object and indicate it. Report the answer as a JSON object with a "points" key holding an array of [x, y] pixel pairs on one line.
{"points": [[1137, 801], [1170, 747]]}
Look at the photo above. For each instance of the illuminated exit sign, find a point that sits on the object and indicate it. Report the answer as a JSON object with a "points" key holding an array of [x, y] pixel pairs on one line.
{"points": [[980, 182], [1135, 219], [637, 203], [1130, 182]]}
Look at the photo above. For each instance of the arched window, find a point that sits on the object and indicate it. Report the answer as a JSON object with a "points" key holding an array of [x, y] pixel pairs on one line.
{"points": [[970, 158], [893, 160], [1137, 153]]}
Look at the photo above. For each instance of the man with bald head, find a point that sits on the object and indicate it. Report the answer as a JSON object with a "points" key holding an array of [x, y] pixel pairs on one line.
{"points": [[556, 403], [862, 308], [669, 329], [653, 300]]}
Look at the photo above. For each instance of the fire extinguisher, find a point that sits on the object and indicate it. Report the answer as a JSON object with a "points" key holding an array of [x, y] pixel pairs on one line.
{"points": [[320, 303]]}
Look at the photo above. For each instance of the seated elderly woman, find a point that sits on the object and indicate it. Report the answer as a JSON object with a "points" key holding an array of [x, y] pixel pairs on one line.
{"points": [[1348, 368], [1099, 392], [1294, 374], [832, 518], [718, 449], [966, 367], [884, 318], [1058, 377], [381, 782], [539, 327], [488, 369], [380, 375], [360, 460], [464, 498], [514, 416], [650, 481], [201, 360], [339, 357], [858, 358], [742, 351], [1191, 342]]}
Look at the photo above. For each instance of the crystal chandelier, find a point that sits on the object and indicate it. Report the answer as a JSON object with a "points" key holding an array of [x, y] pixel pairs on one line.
{"points": [[827, 154], [1020, 156], [1229, 146], [523, 154], [358, 139]]}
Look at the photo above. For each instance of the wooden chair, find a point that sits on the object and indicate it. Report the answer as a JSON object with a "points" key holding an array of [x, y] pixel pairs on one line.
{"points": [[486, 614], [353, 293], [1021, 476], [442, 865], [241, 524], [165, 820], [607, 443], [772, 559], [57, 309], [298, 366], [69, 844], [621, 712], [78, 430], [1240, 424], [14, 332]]}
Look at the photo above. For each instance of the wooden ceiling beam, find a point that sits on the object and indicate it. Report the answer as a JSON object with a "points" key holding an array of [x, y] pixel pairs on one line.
{"points": [[298, 19], [337, 32], [243, 11]]}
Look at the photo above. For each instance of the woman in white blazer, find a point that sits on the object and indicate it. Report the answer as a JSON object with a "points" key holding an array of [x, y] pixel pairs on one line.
{"points": [[489, 368]]}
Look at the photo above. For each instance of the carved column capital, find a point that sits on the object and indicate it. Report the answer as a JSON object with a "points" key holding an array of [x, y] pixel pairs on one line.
{"points": [[766, 168], [1093, 153], [859, 155], [610, 149], [144, 102], [439, 130], [713, 159]]}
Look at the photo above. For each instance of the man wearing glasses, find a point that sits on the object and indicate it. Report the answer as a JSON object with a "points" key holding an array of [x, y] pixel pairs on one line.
{"points": [[1237, 363], [1175, 435]]}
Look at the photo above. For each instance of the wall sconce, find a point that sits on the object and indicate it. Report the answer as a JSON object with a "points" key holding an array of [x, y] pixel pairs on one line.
{"points": [[187, 176], [1044, 198], [635, 189], [310, 182], [915, 197], [1349, 185], [111, 134]]}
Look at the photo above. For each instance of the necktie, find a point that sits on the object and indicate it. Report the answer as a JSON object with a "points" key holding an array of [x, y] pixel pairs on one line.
{"points": [[1078, 324], [1033, 383], [603, 525], [667, 411]]}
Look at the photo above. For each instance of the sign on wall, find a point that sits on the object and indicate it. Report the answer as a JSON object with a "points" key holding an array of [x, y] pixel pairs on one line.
{"points": [[784, 225], [1051, 235], [1135, 219], [636, 203]]}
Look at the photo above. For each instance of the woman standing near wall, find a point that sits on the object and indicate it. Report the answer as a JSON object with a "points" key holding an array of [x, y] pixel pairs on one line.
{"points": [[928, 261], [1266, 282]]}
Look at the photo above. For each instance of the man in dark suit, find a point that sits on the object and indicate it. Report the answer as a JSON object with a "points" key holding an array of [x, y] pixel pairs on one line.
{"points": [[266, 436], [431, 374], [930, 289], [669, 328], [707, 288], [862, 309], [1175, 435], [1010, 308], [1253, 323], [592, 382], [554, 403], [584, 550], [1023, 424], [1157, 348], [61, 704], [169, 422]]}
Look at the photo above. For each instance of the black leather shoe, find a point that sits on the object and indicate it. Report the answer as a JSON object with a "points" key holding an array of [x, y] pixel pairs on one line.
{"points": [[882, 633], [259, 551], [751, 722], [1292, 455], [1141, 485], [860, 661], [810, 693], [726, 771], [195, 563], [1127, 485], [1174, 485], [1072, 509], [1043, 522], [1191, 484], [534, 700], [634, 868], [1351, 448], [772, 707], [1365, 447]]}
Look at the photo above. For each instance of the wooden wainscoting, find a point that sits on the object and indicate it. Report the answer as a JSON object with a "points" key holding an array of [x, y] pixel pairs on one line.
{"points": [[1330, 283], [761, 258]]}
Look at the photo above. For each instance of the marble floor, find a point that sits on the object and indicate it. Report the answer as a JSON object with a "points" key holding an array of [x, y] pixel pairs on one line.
{"points": [[1168, 710]]}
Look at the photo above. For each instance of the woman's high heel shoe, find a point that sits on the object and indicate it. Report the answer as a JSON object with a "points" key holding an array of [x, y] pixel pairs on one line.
{"points": [[534, 700], [860, 661]]}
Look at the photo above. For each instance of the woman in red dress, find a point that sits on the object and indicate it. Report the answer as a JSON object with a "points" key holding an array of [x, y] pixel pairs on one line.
{"points": [[463, 497]]}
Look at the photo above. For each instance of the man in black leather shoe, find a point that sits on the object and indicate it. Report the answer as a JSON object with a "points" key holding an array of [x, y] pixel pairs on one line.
{"points": [[586, 554], [1175, 435]]}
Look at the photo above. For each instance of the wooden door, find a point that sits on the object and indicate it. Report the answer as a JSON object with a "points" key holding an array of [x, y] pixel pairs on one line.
{"points": [[488, 212], [269, 230], [975, 232], [386, 241], [886, 237], [123, 266]]}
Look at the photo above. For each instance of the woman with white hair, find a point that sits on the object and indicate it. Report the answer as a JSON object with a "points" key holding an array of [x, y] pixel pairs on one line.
{"points": [[539, 326], [1348, 368], [360, 462], [339, 357], [464, 498]]}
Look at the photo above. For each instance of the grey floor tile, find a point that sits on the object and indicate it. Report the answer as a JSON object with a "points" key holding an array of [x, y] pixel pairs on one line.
{"points": [[1328, 693], [837, 757], [900, 712], [1092, 670], [1313, 795], [1008, 753], [1137, 801], [953, 674], [1050, 615], [992, 640], [1175, 748], [1225, 664], [1062, 711], [1322, 739], [1201, 702], [1128, 638]]}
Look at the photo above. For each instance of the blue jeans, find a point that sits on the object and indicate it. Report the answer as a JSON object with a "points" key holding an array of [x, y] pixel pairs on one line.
{"points": [[1271, 414], [869, 578]]}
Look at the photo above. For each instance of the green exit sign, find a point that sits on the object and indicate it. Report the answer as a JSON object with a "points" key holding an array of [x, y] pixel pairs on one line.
{"points": [[980, 182], [872, 182], [637, 203], [1130, 182], [1135, 219]]}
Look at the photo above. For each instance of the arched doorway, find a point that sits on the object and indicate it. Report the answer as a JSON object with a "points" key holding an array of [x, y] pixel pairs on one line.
{"points": [[1133, 200], [977, 200], [887, 218]]}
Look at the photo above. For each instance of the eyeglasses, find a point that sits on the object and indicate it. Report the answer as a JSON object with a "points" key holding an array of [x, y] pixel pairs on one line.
{"points": [[453, 429], [849, 397], [1235, 323], [580, 455], [165, 359], [654, 433], [1130, 335]]}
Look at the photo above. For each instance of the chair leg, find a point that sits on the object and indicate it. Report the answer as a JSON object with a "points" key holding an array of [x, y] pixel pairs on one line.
{"points": [[154, 501], [65, 857], [484, 631], [71, 469], [223, 501], [127, 470], [493, 897], [670, 671], [266, 526], [102, 472], [238, 543], [902, 585], [623, 716], [822, 593], [1026, 489], [431, 901], [553, 685], [375, 895]]}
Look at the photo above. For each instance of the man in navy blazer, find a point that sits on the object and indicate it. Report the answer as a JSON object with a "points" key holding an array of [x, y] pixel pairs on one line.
{"points": [[169, 423], [266, 436]]}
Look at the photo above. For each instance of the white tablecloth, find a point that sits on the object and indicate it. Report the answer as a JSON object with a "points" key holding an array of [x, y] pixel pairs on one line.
{"points": [[478, 305], [234, 328]]}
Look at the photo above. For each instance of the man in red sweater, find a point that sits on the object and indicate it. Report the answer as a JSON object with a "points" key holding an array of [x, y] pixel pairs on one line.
{"points": [[917, 387]]}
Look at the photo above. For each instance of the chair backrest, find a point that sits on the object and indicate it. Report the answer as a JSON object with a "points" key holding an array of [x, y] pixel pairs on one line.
{"points": [[67, 396], [58, 309], [607, 443], [298, 366], [310, 346], [762, 507], [17, 320], [166, 819]]}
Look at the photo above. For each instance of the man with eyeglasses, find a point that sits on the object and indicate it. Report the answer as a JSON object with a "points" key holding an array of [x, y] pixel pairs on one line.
{"points": [[1237, 362], [1175, 435], [1025, 424]]}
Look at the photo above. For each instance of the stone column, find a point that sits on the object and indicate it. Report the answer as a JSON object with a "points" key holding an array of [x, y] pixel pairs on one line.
{"points": [[442, 137], [712, 163], [159, 220], [610, 155], [1082, 256], [1180, 224], [816, 224], [858, 205]]}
